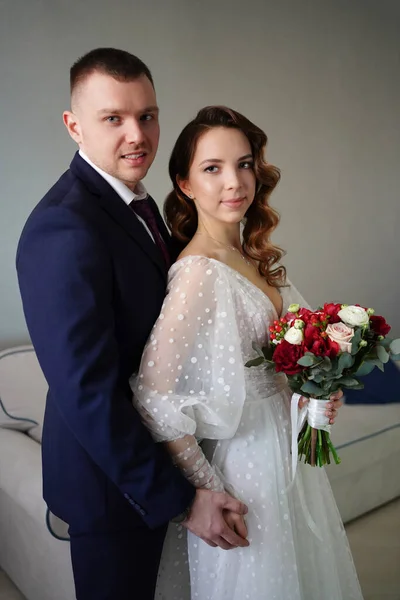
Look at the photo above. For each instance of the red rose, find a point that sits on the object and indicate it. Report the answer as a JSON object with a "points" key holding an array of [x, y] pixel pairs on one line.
{"points": [[333, 348], [318, 347], [286, 356], [319, 343], [379, 325], [303, 314], [332, 310], [311, 333]]}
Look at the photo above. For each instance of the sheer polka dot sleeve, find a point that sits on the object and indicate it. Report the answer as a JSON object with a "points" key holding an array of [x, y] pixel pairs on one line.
{"points": [[191, 379]]}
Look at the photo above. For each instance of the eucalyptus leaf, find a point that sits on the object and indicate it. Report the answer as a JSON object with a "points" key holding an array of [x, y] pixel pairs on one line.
{"points": [[382, 354], [315, 358], [355, 342], [305, 361], [268, 352], [395, 346], [326, 364], [364, 369], [349, 382], [360, 386], [386, 343], [319, 377], [255, 362], [311, 388], [346, 360]]}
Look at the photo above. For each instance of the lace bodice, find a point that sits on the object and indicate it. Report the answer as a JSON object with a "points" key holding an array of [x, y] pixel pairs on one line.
{"points": [[192, 378]]}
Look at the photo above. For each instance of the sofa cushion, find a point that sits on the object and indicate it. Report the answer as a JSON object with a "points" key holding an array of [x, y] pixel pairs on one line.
{"points": [[367, 438], [23, 390]]}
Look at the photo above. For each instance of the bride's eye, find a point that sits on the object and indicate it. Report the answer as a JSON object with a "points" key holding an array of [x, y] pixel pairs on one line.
{"points": [[246, 165], [211, 169]]}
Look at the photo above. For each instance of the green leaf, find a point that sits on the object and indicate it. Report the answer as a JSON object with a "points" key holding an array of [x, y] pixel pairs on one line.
{"points": [[395, 346], [360, 386], [346, 360], [268, 351], [305, 361], [326, 364], [255, 362], [349, 382], [355, 342], [364, 369], [316, 359], [386, 343], [318, 378], [377, 363], [382, 354], [311, 388]]}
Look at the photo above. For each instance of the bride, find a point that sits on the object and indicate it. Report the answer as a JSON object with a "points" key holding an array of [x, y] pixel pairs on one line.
{"points": [[193, 386]]}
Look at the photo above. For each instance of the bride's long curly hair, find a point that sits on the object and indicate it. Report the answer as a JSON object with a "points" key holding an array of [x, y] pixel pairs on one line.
{"points": [[260, 219]]}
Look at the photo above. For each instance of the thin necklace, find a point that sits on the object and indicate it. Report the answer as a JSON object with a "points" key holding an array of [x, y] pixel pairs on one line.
{"points": [[229, 246]]}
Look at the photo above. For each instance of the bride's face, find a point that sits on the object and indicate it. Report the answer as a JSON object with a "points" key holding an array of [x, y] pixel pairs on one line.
{"points": [[221, 178]]}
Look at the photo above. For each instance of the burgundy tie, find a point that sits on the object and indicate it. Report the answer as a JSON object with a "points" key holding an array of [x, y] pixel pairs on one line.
{"points": [[144, 210]]}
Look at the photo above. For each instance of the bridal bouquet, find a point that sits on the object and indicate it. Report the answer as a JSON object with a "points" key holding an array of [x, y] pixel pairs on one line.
{"points": [[320, 352]]}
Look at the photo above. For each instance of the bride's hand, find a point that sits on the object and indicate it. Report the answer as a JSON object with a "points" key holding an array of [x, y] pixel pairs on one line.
{"points": [[332, 407]]}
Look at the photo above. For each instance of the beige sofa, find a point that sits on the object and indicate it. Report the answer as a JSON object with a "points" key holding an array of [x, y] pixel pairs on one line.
{"points": [[367, 437], [38, 563]]}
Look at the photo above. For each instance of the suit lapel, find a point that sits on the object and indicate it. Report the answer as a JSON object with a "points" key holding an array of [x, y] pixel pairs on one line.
{"points": [[116, 208]]}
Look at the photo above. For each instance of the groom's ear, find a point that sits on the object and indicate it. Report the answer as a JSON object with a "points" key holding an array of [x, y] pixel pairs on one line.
{"points": [[184, 186], [71, 122]]}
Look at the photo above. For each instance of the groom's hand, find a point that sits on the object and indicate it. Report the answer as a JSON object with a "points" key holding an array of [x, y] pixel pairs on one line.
{"points": [[206, 519], [236, 522]]}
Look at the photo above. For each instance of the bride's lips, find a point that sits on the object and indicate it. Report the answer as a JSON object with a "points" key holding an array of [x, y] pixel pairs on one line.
{"points": [[234, 202], [135, 159]]}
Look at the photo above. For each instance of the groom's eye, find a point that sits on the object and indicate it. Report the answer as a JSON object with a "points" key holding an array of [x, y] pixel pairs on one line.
{"points": [[113, 119]]}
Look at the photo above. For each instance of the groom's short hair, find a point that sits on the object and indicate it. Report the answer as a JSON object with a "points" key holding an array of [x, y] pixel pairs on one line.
{"points": [[119, 64]]}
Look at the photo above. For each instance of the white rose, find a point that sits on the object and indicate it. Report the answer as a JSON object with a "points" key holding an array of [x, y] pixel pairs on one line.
{"points": [[354, 316], [294, 336]]}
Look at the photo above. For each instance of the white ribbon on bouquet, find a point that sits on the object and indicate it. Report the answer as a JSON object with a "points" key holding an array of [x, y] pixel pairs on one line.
{"points": [[314, 413]]}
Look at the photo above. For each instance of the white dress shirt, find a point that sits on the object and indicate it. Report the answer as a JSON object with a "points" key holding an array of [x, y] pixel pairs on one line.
{"points": [[122, 190]]}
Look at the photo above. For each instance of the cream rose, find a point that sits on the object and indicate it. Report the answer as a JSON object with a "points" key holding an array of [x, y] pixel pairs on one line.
{"points": [[341, 334], [354, 316], [294, 336]]}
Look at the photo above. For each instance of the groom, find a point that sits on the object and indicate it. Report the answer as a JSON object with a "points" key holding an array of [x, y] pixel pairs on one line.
{"points": [[92, 265]]}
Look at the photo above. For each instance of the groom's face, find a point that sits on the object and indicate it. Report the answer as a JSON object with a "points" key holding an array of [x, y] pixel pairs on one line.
{"points": [[116, 125]]}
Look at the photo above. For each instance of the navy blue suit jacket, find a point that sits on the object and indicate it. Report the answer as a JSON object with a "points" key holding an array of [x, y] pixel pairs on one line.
{"points": [[92, 283]]}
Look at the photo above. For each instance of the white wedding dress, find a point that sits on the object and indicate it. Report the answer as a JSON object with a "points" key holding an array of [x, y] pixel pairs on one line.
{"points": [[193, 381]]}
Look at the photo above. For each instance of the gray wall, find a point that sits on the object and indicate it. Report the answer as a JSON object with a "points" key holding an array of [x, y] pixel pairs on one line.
{"points": [[321, 77]]}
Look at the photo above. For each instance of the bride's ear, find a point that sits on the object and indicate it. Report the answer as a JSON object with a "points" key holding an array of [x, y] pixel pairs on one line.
{"points": [[184, 187]]}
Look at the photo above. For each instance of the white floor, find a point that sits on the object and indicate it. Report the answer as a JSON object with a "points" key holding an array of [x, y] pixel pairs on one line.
{"points": [[375, 542]]}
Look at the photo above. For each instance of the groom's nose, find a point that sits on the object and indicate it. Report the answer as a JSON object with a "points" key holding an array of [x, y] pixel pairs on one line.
{"points": [[134, 132]]}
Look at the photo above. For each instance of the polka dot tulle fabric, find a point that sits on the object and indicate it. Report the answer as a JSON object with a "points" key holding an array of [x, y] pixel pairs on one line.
{"points": [[193, 382]]}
